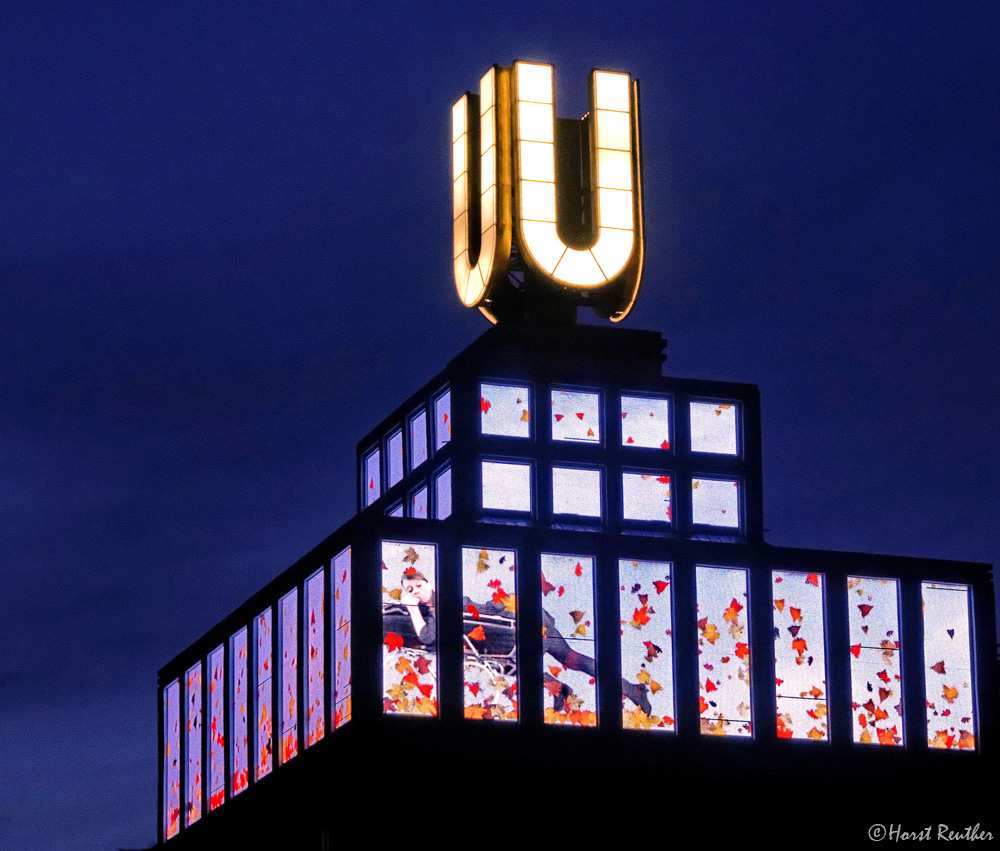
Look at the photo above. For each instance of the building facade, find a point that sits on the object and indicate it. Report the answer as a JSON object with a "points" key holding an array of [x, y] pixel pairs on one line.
{"points": [[558, 569]]}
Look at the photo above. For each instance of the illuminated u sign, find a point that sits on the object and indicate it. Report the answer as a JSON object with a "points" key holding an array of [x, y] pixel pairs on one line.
{"points": [[515, 184]]}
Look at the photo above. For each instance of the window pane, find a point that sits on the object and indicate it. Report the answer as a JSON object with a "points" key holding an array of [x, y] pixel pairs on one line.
{"points": [[442, 419], [418, 504], [395, 510], [418, 439], [576, 416], [172, 759], [724, 651], [289, 688], [576, 491], [876, 679], [442, 486], [263, 663], [409, 629], [569, 669], [799, 655], [342, 638], [506, 486], [240, 767], [647, 645], [315, 610], [505, 410], [713, 428], [715, 503], [216, 733], [646, 496], [951, 709], [394, 448], [645, 422], [489, 633], [194, 728], [373, 477]]}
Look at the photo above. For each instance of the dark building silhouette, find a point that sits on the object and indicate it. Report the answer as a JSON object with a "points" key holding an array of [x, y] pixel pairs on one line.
{"points": [[557, 594]]}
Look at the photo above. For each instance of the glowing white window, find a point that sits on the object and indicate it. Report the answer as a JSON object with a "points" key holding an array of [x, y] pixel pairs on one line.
{"points": [[646, 496], [576, 491], [239, 701], [723, 651], [315, 657], [172, 759], [217, 728], [647, 645], [713, 427], [288, 688], [373, 477], [715, 502], [264, 664], [418, 504], [505, 410], [394, 449], [342, 638], [948, 674], [576, 416], [569, 660], [506, 486], [646, 422], [799, 655], [194, 736], [489, 634], [418, 439], [442, 419], [442, 490], [876, 669]]}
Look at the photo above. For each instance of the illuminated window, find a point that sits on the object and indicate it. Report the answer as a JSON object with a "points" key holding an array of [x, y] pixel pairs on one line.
{"points": [[395, 510], [951, 707], [576, 491], [409, 629], [418, 504], [442, 419], [373, 477], [713, 427], [342, 638], [442, 490], [394, 449], [569, 668], [418, 439], [715, 502], [263, 740], [576, 416], [238, 730], [646, 496], [505, 410], [217, 730], [646, 422], [489, 633], [315, 609], [288, 688], [647, 645], [876, 669], [799, 655], [172, 759], [194, 735], [506, 486], [723, 651]]}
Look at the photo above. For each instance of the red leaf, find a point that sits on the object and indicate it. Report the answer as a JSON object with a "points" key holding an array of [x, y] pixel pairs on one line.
{"points": [[558, 417], [484, 405], [547, 587], [665, 444], [856, 650], [426, 690], [660, 586], [579, 569], [474, 688], [742, 650], [812, 579], [709, 685], [865, 609], [579, 416], [393, 641], [472, 610], [882, 675]]}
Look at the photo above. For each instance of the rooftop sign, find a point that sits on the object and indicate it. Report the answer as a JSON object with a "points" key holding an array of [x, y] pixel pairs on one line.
{"points": [[558, 199]]}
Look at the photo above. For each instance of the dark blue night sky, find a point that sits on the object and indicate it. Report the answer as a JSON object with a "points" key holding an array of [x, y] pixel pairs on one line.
{"points": [[225, 256]]}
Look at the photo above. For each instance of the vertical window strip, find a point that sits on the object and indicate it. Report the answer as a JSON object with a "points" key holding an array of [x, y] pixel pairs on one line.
{"points": [[948, 671], [194, 749], [725, 703], [264, 742], [341, 620], [316, 658], [238, 712], [217, 728], [289, 694], [172, 759], [876, 666], [799, 655]]}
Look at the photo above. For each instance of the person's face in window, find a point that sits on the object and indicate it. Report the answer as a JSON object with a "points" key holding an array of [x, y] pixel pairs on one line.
{"points": [[417, 589]]}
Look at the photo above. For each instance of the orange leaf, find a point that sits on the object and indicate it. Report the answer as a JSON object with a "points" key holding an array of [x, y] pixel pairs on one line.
{"points": [[799, 646], [779, 605], [742, 651], [478, 634], [950, 693], [812, 579], [795, 613]]}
